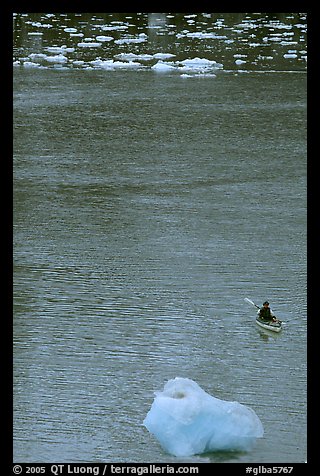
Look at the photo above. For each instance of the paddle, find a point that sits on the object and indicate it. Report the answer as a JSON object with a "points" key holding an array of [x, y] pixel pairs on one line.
{"points": [[251, 302]]}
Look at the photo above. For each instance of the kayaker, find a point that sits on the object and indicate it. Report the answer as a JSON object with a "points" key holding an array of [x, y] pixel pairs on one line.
{"points": [[266, 313]]}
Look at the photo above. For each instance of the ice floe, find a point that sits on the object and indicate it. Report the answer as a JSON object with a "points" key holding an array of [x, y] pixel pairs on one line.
{"points": [[104, 38], [40, 57], [163, 66], [141, 38], [89, 44], [110, 64], [163, 56], [239, 61], [187, 421], [70, 30], [201, 35], [190, 65], [200, 64], [60, 49], [290, 55]]}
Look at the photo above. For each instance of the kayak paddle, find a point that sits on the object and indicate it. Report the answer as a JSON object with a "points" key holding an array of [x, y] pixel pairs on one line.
{"points": [[251, 302]]}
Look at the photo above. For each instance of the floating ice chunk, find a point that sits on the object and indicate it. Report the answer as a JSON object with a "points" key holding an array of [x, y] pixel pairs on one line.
{"points": [[262, 57], [110, 64], [201, 35], [134, 56], [37, 56], [163, 55], [162, 66], [201, 63], [239, 61], [56, 59], [59, 49], [127, 64], [198, 65], [287, 43], [92, 44], [70, 30], [30, 64], [290, 55], [60, 58], [40, 25], [104, 38], [140, 39], [197, 61], [186, 421], [114, 27], [104, 64]]}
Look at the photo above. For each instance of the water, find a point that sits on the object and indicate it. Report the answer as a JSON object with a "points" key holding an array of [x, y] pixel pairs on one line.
{"points": [[238, 41], [146, 207]]}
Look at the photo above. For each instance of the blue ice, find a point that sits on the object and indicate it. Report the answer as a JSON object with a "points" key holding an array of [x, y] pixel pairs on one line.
{"points": [[187, 421]]}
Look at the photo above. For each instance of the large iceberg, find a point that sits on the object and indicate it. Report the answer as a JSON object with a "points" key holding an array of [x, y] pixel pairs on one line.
{"points": [[187, 421]]}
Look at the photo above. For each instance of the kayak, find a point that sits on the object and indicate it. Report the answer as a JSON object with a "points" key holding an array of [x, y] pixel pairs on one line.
{"points": [[271, 326]]}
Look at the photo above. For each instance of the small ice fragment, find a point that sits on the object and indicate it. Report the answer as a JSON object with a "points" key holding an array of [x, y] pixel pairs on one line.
{"points": [[89, 44], [104, 38], [162, 66], [56, 59], [163, 55], [290, 55]]}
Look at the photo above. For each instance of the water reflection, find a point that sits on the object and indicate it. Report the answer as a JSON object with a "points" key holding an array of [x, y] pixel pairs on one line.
{"points": [[267, 335]]}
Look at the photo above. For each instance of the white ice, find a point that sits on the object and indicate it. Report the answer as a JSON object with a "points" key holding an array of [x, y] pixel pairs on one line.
{"points": [[88, 44], [60, 58], [56, 59], [163, 55], [194, 65], [70, 30], [162, 66], [140, 39], [186, 421], [133, 56], [60, 49], [110, 64], [290, 55], [104, 38], [199, 65], [200, 62]]}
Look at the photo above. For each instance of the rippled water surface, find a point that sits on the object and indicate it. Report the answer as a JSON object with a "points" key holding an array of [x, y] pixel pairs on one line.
{"points": [[147, 206]]}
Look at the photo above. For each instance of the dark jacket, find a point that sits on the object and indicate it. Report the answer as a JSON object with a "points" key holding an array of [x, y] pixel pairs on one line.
{"points": [[266, 313]]}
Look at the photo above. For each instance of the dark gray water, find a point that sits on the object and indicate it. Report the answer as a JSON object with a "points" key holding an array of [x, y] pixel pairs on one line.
{"points": [[146, 207]]}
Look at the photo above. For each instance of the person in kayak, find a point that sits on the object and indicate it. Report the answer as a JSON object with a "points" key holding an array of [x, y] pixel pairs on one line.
{"points": [[266, 313]]}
